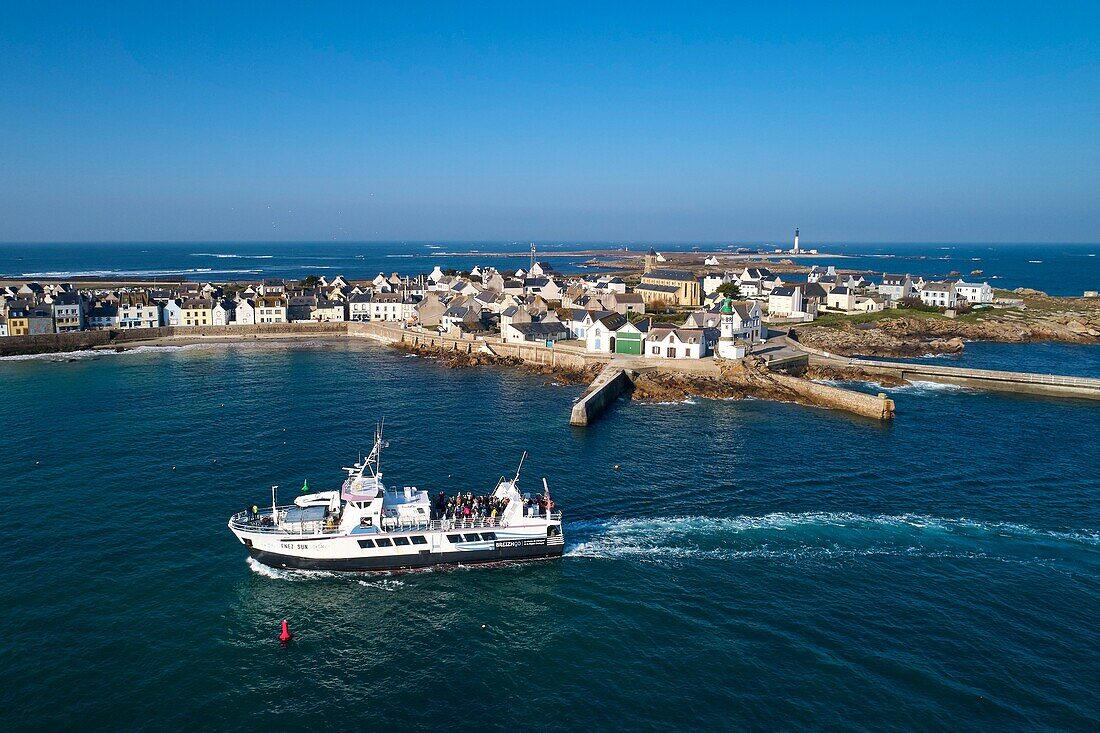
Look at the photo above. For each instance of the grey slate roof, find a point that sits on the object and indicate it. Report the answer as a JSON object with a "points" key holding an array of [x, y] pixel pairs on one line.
{"points": [[681, 275], [657, 288]]}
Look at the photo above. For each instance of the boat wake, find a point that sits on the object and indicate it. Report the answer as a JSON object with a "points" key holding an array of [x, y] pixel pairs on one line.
{"points": [[373, 581], [824, 536]]}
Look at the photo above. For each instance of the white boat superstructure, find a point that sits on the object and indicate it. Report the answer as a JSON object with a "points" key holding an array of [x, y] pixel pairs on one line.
{"points": [[365, 526]]}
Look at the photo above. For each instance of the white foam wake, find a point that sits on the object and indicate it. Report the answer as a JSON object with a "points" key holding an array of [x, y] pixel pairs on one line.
{"points": [[375, 583], [820, 535]]}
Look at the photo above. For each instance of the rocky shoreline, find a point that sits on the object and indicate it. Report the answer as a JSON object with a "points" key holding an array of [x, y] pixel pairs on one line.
{"points": [[461, 360], [754, 380], [913, 336], [736, 381]]}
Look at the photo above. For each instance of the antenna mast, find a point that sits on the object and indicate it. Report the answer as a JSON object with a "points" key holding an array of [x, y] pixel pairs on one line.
{"points": [[519, 468]]}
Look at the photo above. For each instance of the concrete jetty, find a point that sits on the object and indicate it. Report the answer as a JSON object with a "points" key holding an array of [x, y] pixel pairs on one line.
{"points": [[611, 382], [988, 379]]}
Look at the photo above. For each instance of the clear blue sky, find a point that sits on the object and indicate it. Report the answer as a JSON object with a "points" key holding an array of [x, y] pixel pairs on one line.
{"points": [[674, 121]]}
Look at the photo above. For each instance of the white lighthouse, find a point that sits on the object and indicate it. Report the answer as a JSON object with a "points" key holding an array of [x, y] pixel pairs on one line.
{"points": [[796, 250], [728, 348]]}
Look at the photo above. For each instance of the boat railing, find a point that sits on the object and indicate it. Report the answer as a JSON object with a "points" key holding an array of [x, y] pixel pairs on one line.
{"points": [[255, 522]]}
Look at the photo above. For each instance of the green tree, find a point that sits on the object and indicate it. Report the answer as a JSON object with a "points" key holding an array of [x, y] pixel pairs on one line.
{"points": [[310, 281], [732, 289]]}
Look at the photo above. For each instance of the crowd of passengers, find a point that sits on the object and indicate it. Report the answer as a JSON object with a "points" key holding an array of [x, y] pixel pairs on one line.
{"points": [[467, 506]]}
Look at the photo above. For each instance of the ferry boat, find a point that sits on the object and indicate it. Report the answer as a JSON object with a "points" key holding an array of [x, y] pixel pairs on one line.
{"points": [[365, 526]]}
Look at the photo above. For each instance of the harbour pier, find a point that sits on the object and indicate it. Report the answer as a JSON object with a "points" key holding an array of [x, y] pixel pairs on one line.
{"points": [[1049, 385], [612, 381]]}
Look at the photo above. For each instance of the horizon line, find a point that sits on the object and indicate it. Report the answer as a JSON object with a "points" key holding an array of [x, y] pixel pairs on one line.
{"points": [[695, 242]]}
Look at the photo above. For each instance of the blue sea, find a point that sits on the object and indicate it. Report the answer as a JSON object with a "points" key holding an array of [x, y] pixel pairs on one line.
{"points": [[729, 564], [1056, 269]]}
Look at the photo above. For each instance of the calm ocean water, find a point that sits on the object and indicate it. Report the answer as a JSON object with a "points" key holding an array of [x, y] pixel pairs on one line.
{"points": [[1057, 269], [750, 565]]}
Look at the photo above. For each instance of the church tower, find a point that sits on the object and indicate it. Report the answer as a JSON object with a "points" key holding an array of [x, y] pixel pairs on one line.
{"points": [[650, 261]]}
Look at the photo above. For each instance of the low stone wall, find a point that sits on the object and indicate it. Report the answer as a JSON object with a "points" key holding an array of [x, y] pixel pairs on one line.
{"points": [[878, 407], [51, 343], [530, 352]]}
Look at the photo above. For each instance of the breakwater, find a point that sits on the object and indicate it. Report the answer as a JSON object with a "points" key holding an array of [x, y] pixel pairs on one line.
{"points": [[611, 382], [1051, 385]]}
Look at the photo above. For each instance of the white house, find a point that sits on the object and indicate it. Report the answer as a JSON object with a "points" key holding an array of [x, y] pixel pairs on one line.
{"points": [[135, 311], [539, 332], [745, 322], [974, 292], [939, 294], [599, 337], [359, 307], [784, 302], [714, 280], [711, 261], [103, 315], [331, 311], [387, 307], [896, 287], [270, 309], [223, 313], [680, 343], [172, 313], [870, 303], [245, 314], [842, 298]]}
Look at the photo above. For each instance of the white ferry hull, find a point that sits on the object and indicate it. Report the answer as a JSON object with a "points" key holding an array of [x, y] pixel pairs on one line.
{"points": [[390, 563], [405, 551]]}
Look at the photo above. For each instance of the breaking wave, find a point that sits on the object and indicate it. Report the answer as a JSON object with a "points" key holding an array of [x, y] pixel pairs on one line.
{"points": [[915, 387], [85, 354], [232, 256], [73, 274], [823, 536]]}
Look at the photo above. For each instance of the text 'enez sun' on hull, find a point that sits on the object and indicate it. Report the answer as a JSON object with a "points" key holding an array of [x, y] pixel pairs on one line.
{"points": [[365, 527]]}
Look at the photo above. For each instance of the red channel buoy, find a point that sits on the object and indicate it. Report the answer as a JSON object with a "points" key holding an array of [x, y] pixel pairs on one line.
{"points": [[285, 635]]}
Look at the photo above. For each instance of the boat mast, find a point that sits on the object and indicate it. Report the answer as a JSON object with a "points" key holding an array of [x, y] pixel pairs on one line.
{"points": [[519, 468]]}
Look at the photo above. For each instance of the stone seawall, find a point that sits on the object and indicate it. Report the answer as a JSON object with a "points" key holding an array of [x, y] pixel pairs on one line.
{"points": [[51, 343], [531, 353]]}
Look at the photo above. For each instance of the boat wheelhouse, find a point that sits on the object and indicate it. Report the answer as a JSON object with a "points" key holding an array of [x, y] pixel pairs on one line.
{"points": [[365, 526]]}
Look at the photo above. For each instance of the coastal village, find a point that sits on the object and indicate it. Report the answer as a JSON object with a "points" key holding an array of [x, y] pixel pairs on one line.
{"points": [[678, 324], [682, 311]]}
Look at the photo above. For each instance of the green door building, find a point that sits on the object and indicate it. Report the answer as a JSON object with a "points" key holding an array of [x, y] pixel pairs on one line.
{"points": [[628, 343]]}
